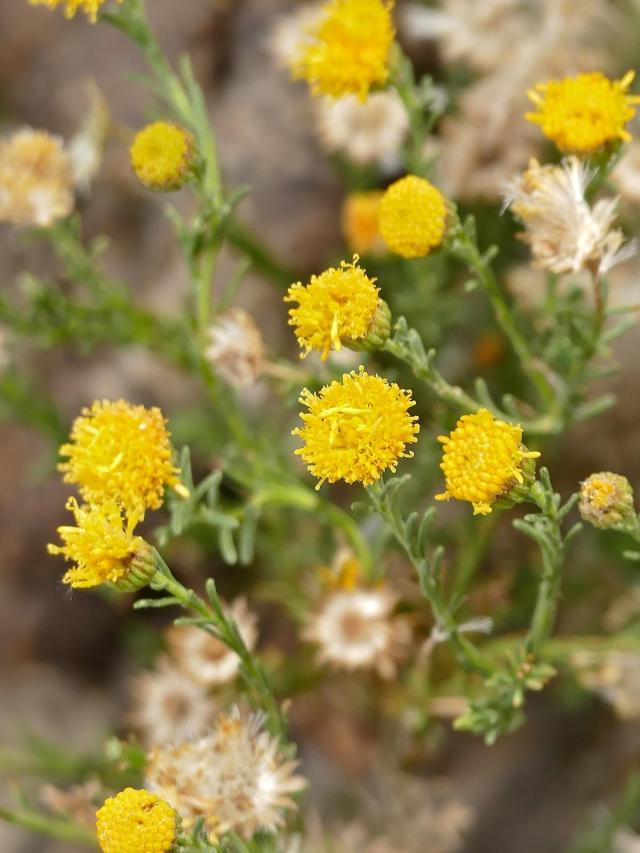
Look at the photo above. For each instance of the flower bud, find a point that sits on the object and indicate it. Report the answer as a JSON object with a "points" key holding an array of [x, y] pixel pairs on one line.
{"points": [[606, 500]]}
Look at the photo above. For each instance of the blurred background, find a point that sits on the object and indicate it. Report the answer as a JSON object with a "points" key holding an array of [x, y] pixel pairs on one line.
{"points": [[65, 659]]}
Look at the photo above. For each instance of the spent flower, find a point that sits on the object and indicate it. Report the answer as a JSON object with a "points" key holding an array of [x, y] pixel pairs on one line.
{"points": [[565, 233], [356, 429], [236, 349], [169, 705], [340, 306], [581, 114], [355, 629], [36, 179], [236, 777], [205, 658], [412, 217], [485, 461], [136, 821], [121, 453], [606, 500], [162, 154], [349, 48]]}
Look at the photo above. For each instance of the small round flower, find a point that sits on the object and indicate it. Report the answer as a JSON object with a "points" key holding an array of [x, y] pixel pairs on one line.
{"points": [[236, 349], [161, 156], [349, 48], [360, 213], [606, 499], [339, 306], [205, 658], [413, 217], [36, 179], [235, 777], [121, 452], [580, 114], [135, 821], [484, 461], [354, 629], [356, 429], [103, 547], [168, 705], [89, 7]]}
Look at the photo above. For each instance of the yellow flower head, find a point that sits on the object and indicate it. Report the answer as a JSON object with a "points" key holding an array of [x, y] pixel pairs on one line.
{"points": [[161, 155], [606, 499], [339, 306], [120, 452], [360, 222], [89, 7], [483, 461], [580, 114], [348, 50], [136, 821], [413, 217], [356, 429], [102, 545]]}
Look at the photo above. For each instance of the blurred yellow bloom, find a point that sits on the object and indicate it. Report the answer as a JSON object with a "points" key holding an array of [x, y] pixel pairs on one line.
{"points": [[161, 155], [339, 306], [360, 227], [102, 545], [580, 114], [356, 429], [348, 49], [483, 461], [413, 217], [122, 453], [135, 821], [89, 7]]}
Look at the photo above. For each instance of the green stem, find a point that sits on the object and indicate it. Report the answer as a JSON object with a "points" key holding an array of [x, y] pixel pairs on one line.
{"points": [[53, 827], [217, 623]]}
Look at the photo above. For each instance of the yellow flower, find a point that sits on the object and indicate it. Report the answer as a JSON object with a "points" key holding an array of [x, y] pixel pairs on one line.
{"points": [[122, 453], [360, 222], [580, 114], [136, 821], [348, 50], [413, 217], [484, 460], [606, 499], [36, 179], [356, 429], [161, 156], [89, 7], [102, 545], [339, 306]]}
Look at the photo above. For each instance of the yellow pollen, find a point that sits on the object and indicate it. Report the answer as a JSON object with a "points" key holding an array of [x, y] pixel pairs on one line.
{"points": [[581, 114], [482, 460], [161, 155], [338, 306], [356, 429], [348, 50], [122, 453], [136, 821], [413, 217], [89, 7]]}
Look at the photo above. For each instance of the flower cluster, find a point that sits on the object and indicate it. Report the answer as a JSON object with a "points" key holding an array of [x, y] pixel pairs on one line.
{"points": [[349, 49], [484, 461], [120, 458], [412, 217], [134, 821], [235, 777], [339, 306], [161, 156], [581, 114], [356, 429]]}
